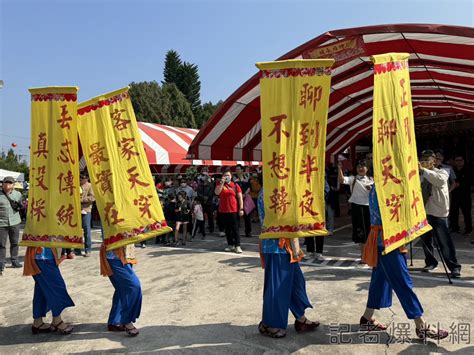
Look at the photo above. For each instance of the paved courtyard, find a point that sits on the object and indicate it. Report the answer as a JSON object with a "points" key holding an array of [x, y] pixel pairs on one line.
{"points": [[199, 299]]}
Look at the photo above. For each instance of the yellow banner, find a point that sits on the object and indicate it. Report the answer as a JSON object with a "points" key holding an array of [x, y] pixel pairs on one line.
{"points": [[125, 194], [395, 155], [54, 207], [294, 98]]}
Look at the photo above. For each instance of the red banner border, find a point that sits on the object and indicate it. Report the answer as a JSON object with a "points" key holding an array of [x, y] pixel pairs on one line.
{"points": [[48, 238], [54, 97], [136, 231], [293, 72], [404, 234], [295, 229], [383, 68], [101, 103]]}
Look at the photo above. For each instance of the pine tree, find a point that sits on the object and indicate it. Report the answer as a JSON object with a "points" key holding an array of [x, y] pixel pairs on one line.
{"points": [[180, 113], [173, 63], [190, 85]]}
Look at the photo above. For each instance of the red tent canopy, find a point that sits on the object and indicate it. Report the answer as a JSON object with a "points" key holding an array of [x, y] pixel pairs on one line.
{"points": [[166, 148], [441, 72]]}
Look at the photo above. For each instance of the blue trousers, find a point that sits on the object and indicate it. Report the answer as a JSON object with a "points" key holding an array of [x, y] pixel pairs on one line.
{"points": [[127, 300], [390, 274], [86, 226], [50, 290], [284, 289]]}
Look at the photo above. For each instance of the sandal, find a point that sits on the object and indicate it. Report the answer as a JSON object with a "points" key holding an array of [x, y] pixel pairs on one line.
{"points": [[426, 333], [39, 330], [305, 326], [64, 331], [371, 325], [271, 332], [133, 332], [115, 327]]}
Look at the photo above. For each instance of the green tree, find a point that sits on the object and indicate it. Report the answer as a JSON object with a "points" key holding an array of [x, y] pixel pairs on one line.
{"points": [[173, 63], [180, 113], [13, 162], [147, 100], [189, 84], [205, 112]]}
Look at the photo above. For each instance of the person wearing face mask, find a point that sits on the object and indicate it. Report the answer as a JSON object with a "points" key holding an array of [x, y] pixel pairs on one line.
{"points": [[231, 207], [184, 187], [205, 191], [360, 189]]}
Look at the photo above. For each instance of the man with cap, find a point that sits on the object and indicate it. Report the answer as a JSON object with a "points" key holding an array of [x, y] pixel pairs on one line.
{"points": [[434, 187], [10, 204]]}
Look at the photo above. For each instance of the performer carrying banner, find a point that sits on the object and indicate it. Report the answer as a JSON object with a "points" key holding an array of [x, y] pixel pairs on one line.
{"points": [[54, 204], [284, 286], [390, 272], [126, 197], [294, 103], [397, 215]]}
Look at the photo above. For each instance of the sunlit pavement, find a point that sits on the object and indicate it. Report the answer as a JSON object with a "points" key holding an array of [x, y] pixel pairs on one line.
{"points": [[200, 299]]}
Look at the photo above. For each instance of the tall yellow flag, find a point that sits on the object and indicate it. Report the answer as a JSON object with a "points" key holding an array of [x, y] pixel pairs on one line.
{"points": [[54, 207], [121, 179], [294, 98], [395, 156]]}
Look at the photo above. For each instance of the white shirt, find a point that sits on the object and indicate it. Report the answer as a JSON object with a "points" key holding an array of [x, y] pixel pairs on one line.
{"points": [[438, 202], [361, 189], [198, 213]]}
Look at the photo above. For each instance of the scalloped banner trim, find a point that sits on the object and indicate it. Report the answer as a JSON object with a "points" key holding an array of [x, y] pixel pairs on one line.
{"points": [[101, 103], [54, 97], [294, 72], [134, 232], [52, 238], [294, 229], [405, 233], [383, 68]]}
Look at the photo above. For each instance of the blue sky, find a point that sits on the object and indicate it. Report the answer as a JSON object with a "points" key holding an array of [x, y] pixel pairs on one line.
{"points": [[103, 45]]}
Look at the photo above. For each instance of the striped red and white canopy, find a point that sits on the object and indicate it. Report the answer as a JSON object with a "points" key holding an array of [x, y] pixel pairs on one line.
{"points": [[166, 148], [441, 73]]}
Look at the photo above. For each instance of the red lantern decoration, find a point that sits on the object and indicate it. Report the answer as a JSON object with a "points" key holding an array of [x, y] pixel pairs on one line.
{"points": [[14, 145]]}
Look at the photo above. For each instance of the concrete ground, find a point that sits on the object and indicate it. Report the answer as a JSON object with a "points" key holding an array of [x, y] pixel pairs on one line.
{"points": [[199, 299]]}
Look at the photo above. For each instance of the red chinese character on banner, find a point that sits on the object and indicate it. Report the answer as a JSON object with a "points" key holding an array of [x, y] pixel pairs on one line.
{"points": [[65, 118], [37, 209], [126, 145], [308, 168], [395, 202], [412, 171], [387, 129], [103, 181], [41, 146], [111, 215], [65, 155], [66, 182], [414, 204], [307, 204], [278, 166], [305, 131], [144, 205], [404, 101], [120, 123], [407, 129], [387, 171], [97, 154], [65, 215], [134, 178], [277, 130], [279, 200], [41, 171], [310, 95]]}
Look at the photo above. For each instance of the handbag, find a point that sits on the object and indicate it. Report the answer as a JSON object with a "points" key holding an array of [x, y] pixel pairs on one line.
{"points": [[249, 205]]}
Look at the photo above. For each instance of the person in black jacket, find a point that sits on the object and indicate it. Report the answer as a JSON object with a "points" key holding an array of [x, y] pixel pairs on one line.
{"points": [[461, 196], [205, 191]]}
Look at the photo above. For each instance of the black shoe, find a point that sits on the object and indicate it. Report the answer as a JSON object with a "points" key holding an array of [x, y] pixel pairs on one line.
{"points": [[429, 268], [16, 264], [456, 274]]}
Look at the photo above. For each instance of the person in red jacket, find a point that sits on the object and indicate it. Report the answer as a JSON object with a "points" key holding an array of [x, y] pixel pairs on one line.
{"points": [[231, 208]]}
